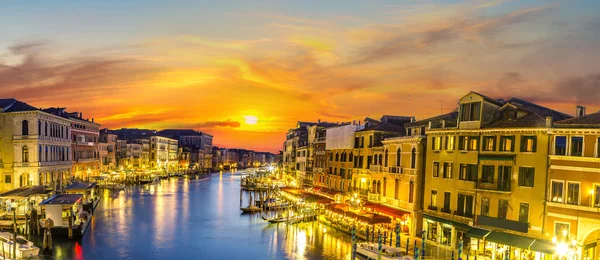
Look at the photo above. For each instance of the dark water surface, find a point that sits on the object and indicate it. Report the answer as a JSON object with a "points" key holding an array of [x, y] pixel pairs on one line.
{"points": [[197, 218]]}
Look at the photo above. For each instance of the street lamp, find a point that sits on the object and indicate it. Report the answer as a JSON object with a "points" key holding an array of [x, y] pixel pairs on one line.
{"points": [[563, 247]]}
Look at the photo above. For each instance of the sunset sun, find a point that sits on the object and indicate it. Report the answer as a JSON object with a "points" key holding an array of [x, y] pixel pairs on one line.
{"points": [[251, 120]]}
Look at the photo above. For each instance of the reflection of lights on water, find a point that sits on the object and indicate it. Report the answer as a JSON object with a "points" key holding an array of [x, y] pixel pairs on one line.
{"points": [[301, 243]]}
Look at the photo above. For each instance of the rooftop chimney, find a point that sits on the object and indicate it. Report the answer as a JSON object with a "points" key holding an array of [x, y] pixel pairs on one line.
{"points": [[92, 120], [580, 111], [80, 114], [413, 119], [548, 122], [319, 121]]}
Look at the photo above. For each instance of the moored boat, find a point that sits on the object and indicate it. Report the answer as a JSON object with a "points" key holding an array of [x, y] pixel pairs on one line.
{"points": [[369, 251], [250, 209], [25, 248]]}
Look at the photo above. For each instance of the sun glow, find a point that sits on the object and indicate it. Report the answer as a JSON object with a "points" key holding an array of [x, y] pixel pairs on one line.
{"points": [[251, 120]]}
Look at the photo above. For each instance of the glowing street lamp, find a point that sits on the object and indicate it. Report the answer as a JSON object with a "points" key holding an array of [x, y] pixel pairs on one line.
{"points": [[564, 247]]}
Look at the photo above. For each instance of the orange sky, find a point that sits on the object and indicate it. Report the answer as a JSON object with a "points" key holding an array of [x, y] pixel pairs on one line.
{"points": [[186, 66]]}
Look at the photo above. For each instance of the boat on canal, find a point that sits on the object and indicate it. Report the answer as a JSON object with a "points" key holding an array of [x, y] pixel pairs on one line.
{"points": [[250, 209], [25, 248], [369, 251]]}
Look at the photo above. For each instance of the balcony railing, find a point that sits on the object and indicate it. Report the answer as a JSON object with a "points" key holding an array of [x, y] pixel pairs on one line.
{"points": [[375, 168], [81, 143], [446, 210], [395, 169], [496, 185], [463, 214], [410, 171], [42, 164], [374, 197]]}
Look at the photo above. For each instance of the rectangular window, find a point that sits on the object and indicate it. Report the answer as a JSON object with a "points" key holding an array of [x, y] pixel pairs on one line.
{"points": [[487, 174], [576, 146], [596, 195], [432, 231], [560, 145], [598, 147], [447, 196], [460, 204], [447, 170], [528, 144], [573, 193], [7, 179], [526, 176], [463, 143], [507, 144], [504, 174], [560, 228], [471, 111], [557, 189], [433, 201], [524, 213], [464, 206], [502, 209], [436, 169], [485, 206], [436, 143], [473, 143], [489, 143], [449, 143]]}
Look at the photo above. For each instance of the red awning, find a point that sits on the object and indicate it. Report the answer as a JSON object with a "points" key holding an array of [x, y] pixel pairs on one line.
{"points": [[394, 213], [315, 189]]}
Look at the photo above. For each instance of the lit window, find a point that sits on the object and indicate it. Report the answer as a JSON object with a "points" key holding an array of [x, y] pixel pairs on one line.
{"points": [[557, 189], [560, 145]]}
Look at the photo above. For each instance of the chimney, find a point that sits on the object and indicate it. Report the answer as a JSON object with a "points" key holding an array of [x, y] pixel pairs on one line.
{"points": [[80, 114], [549, 122], [443, 123], [413, 119], [580, 111], [319, 121], [92, 120]]}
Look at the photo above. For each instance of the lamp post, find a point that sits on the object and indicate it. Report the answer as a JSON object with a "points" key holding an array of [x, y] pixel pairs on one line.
{"points": [[565, 248]]}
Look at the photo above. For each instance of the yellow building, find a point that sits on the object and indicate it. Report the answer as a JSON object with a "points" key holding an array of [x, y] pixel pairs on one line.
{"points": [[574, 186], [367, 142], [485, 178]]}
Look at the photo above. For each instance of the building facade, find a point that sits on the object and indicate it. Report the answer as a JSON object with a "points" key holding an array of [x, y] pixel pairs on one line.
{"points": [[36, 147]]}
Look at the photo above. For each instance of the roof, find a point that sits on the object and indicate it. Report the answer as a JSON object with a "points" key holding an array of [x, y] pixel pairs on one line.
{"points": [[179, 132], [13, 105], [62, 199], [81, 186], [536, 116], [62, 112], [591, 120], [537, 109], [24, 192], [498, 102], [387, 127], [448, 116]]}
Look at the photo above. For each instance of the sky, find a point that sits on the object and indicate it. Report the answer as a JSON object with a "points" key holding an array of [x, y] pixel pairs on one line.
{"points": [[247, 71]]}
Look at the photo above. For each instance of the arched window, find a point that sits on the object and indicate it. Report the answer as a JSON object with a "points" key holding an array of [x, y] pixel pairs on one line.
{"points": [[25, 154], [375, 159], [413, 158], [61, 131], [39, 128], [46, 154], [24, 127], [378, 187], [351, 156], [384, 187], [398, 157], [39, 153], [374, 187], [337, 157], [46, 128], [386, 158], [331, 157]]}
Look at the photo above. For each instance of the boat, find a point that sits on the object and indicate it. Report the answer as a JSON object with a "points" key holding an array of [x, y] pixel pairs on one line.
{"points": [[112, 186], [250, 209], [369, 251], [25, 248], [276, 219]]}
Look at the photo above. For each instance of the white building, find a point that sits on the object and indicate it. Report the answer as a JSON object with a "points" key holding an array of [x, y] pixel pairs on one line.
{"points": [[34, 147]]}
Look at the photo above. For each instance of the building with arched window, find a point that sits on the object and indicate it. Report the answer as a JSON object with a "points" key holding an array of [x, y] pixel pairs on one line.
{"points": [[31, 153]]}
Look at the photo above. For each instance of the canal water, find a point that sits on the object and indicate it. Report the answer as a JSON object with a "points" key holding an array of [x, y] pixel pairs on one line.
{"points": [[196, 218]]}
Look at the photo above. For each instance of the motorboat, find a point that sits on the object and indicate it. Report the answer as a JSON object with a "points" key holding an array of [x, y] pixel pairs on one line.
{"points": [[25, 248], [250, 209], [276, 219], [369, 251]]}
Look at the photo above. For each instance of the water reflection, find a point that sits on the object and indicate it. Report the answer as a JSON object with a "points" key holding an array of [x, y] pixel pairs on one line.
{"points": [[195, 218]]}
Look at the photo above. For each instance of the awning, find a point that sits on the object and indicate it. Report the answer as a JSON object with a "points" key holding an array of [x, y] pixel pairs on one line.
{"points": [[543, 246], [455, 224], [510, 239], [477, 233], [394, 213], [317, 188]]}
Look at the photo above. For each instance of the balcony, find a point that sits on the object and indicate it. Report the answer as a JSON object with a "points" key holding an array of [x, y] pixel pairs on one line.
{"points": [[87, 160], [463, 214], [496, 185], [409, 171], [434, 208], [446, 210], [374, 197], [24, 137], [82, 143], [45, 164], [375, 168], [394, 169]]}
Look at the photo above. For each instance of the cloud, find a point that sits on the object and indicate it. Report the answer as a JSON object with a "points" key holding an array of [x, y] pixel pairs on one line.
{"points": [[40, 77], [211, 124], [579, 89]]}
